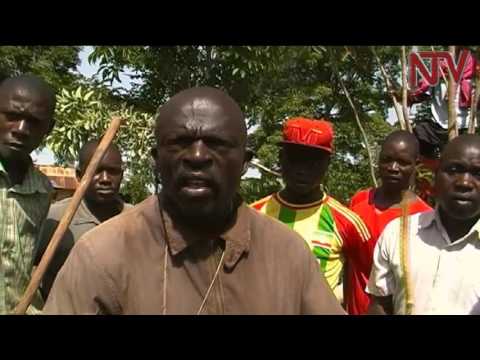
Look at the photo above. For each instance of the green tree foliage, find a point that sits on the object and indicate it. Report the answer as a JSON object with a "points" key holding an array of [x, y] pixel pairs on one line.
{"points": [[56, 64], [83, 114], [271, 84]]}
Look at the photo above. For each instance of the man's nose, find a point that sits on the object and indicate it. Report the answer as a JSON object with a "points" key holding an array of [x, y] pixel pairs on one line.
{"points": [[394, 166], [104, 177], [22, 129], [198, 155], [464, 181]]}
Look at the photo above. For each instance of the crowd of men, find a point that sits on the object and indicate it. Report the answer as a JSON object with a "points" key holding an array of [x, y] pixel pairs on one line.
{"points": [[196, 247]]}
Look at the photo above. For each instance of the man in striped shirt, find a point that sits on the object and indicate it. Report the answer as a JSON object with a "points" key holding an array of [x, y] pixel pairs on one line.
{"points": [[330, 229], [27, 106]]}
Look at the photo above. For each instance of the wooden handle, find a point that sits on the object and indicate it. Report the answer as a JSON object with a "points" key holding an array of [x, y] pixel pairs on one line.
{"points": [[32, 287]]}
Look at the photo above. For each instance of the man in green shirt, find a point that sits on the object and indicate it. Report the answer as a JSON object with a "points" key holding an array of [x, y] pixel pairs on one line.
{"points": [[27, 105]]}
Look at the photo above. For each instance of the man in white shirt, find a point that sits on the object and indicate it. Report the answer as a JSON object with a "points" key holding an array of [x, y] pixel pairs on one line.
{"points": [[434, 268]]}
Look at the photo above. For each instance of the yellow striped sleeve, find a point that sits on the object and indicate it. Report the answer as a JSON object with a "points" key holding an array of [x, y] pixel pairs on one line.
{"points": [[352, 217]]}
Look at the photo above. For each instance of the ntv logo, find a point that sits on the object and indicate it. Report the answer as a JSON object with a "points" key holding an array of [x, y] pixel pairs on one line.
{"points": [[416, 65]]}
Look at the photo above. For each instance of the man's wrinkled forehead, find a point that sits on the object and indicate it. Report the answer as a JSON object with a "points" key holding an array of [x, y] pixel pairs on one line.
{"points": [[201, 114], [20, 99]]}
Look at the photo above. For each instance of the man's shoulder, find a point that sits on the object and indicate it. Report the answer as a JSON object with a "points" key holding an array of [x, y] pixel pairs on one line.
{"points": [[392, 229], [360, 197], [57, 209], [272, 231], [332, 202], [419, 205], [127, 206], [345, 217], [343, 211], [127, 225], [414, 220], [259, 204], [41, 180]]}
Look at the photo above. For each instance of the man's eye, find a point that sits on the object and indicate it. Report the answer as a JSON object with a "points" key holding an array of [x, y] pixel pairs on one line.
{"points": [[13, 117], [215, 143], [115, 172], [453, 170], [476, 173], [178, 142]]}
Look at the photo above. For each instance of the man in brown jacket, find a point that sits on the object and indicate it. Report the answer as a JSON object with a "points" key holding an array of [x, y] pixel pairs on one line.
{"points": [[196, 248]]}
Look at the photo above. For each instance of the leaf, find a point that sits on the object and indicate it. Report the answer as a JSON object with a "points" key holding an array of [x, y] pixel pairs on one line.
{"points": [[88, 95], [78, 93]]}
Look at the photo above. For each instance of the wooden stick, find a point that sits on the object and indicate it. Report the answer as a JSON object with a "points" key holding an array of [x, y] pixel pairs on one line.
{"points": [[452, 104], [405, 255], [32, 287], [406, 114], [257, 164], [475, 97]]}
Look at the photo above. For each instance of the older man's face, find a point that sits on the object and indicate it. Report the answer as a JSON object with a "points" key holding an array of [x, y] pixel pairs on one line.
{"points": [[458, 182], [200, 158]]}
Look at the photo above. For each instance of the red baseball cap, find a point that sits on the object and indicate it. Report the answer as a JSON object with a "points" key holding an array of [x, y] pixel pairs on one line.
{"points": [[309, 132]]}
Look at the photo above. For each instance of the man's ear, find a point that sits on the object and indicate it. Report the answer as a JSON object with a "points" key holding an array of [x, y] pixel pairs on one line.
{"points": [[153, 152], [248, 157], [329, 159], [417, 161]]}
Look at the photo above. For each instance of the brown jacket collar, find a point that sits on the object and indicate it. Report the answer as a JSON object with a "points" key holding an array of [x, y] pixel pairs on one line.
{"points": [[237, 238]]}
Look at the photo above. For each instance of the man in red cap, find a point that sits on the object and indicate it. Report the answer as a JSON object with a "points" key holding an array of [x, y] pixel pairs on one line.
{"points": [[330, 229]]}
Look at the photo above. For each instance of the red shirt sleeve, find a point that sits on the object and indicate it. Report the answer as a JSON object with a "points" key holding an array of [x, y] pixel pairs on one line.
{"points": [[360, 196], [352, 229]]}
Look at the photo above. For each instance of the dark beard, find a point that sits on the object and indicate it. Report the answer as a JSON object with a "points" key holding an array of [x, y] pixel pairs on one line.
{"points": [[215, 221]]}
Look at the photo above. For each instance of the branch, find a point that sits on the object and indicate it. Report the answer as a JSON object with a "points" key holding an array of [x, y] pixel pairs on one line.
{"points": [[257, 164], [357, 118], [391, 91]]}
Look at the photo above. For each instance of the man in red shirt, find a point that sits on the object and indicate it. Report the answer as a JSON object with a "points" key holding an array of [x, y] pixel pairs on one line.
{"points": [[377, 207]]}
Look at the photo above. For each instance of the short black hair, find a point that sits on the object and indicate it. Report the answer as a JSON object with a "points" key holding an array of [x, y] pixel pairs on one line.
{"points": [[403, 135], [84, 153]]}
